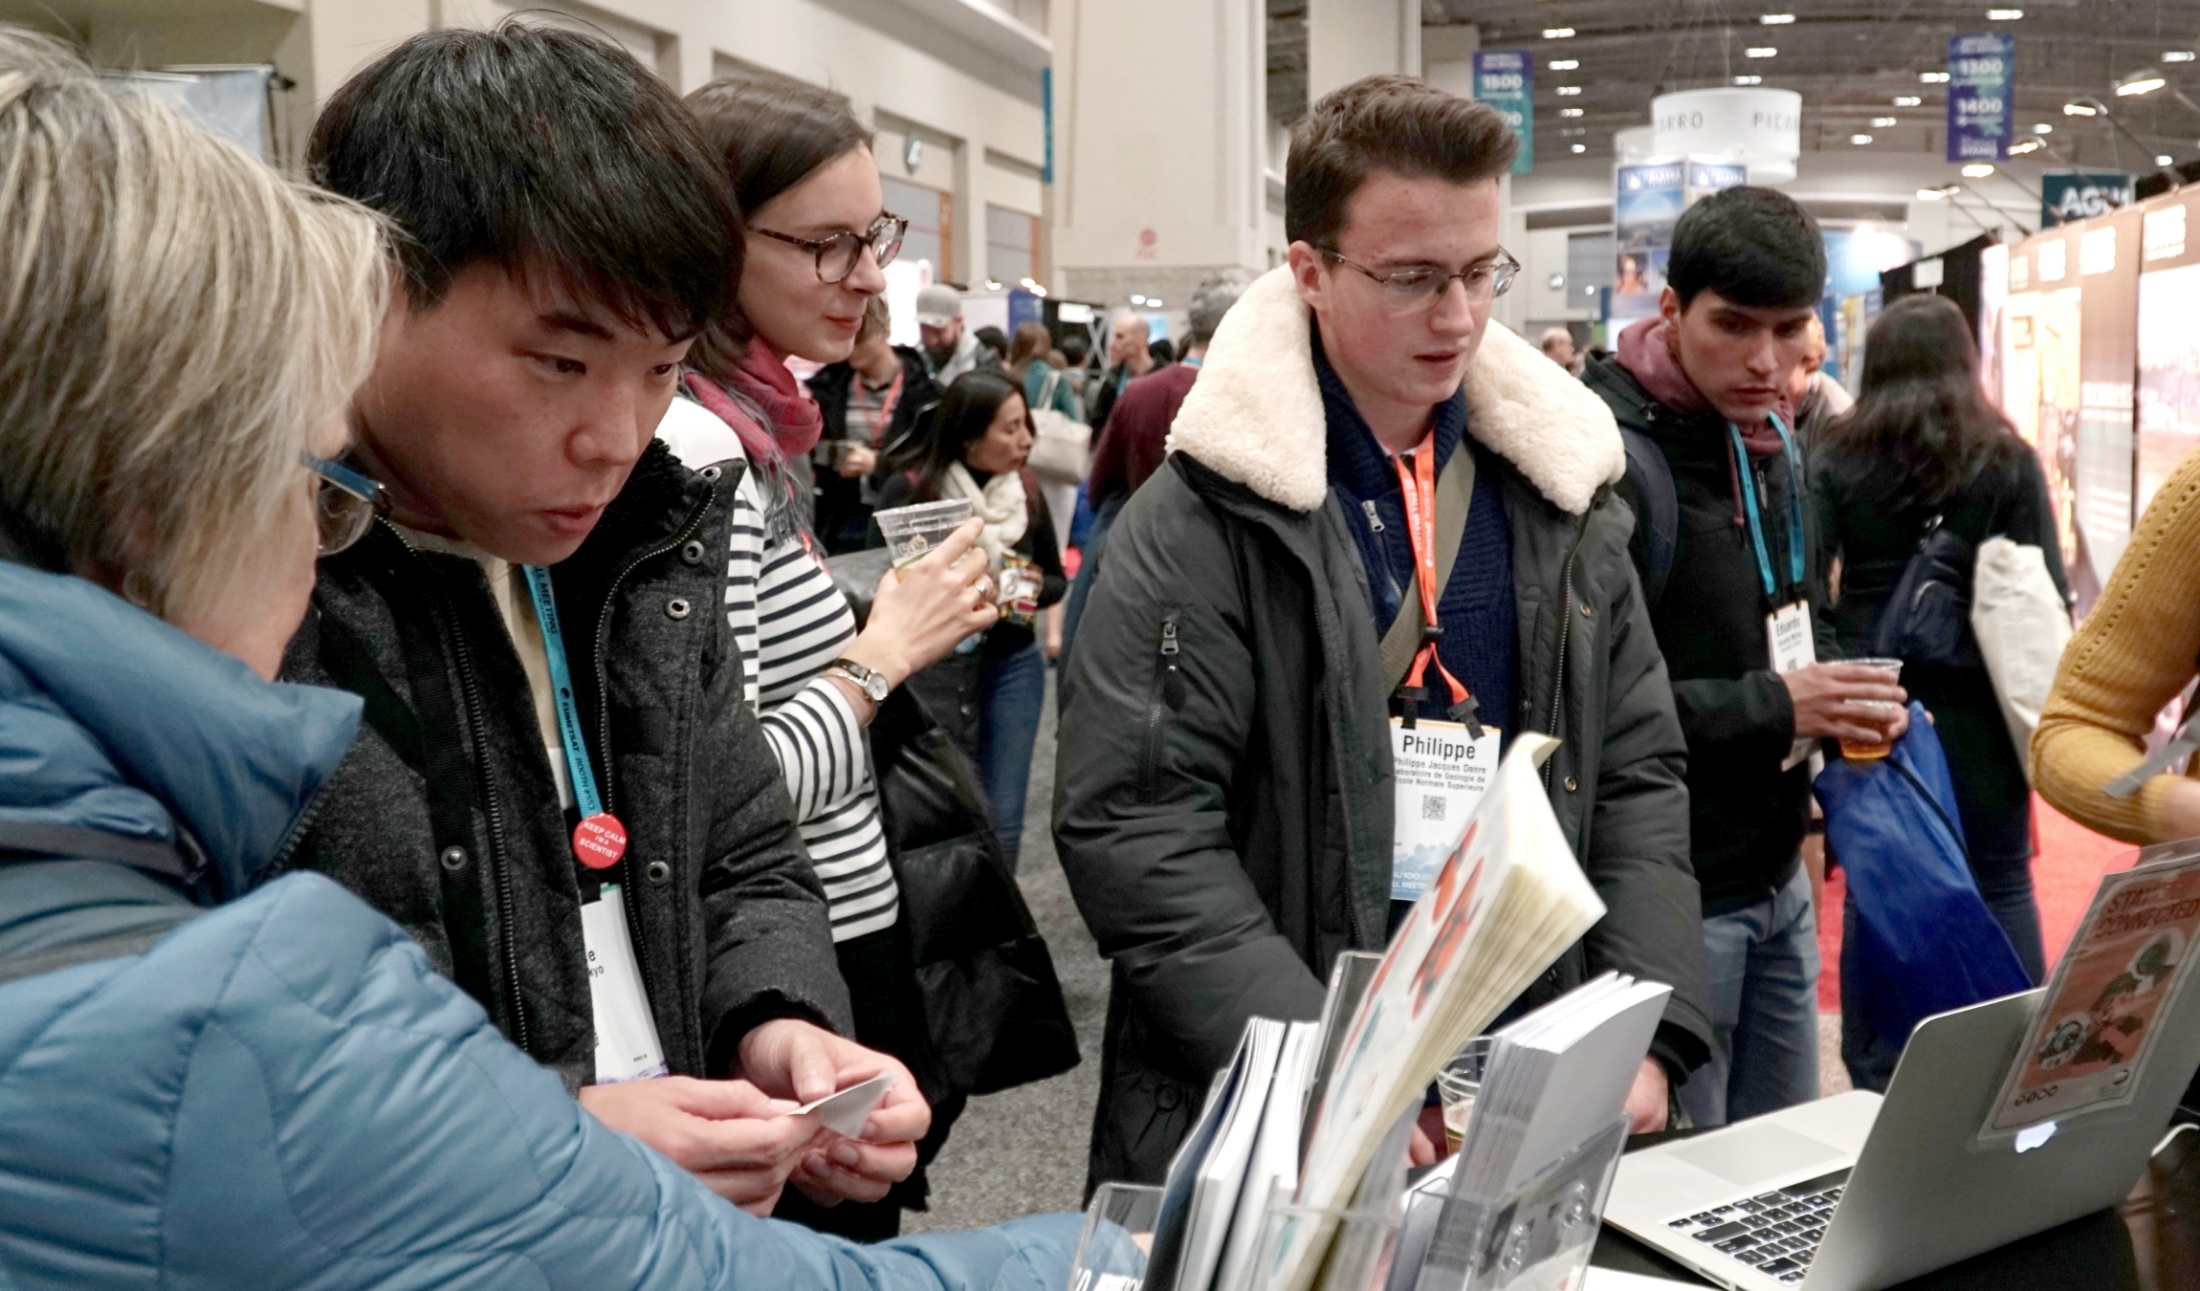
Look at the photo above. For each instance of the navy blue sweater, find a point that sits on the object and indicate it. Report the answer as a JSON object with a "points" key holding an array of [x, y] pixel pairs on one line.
{"points": [[1476, 609]]}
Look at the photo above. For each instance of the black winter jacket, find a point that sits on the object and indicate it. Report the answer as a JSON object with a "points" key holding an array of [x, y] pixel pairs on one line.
{"points": [[1223, 802], [1747, 816], [843, 518], [445, 815]]}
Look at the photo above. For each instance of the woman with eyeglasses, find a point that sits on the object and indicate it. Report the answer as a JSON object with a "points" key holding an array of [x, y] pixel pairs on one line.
{"points": [[818, 240], [211, 1076]]}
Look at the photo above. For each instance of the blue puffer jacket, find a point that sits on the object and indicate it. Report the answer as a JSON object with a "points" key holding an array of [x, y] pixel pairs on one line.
{"points": [[279, 1091]]}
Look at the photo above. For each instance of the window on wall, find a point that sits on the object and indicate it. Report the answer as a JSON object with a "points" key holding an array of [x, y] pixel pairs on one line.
{"points": [[931, 216], [1011, 245]]}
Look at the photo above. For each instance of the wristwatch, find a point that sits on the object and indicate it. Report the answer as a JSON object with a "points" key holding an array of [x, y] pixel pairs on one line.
{"points": [[871, 683]]}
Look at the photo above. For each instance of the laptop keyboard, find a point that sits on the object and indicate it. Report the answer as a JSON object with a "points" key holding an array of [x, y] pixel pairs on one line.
{"points": [[1776, 1232]]}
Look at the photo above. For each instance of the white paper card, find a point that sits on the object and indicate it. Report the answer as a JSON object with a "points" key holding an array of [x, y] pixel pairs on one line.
{"points": [[1441, 774], [627, 1047], [844, 1113], [1787, 636]]}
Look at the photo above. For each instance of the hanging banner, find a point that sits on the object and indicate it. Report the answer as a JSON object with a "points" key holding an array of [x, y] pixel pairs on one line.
{"points": [[2068, 197], [1505, 79], [1647, 199], [1981, 96]]}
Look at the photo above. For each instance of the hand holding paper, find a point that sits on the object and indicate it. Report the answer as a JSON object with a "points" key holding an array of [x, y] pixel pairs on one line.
{"points": [[797, 1059], [740, 1142]]}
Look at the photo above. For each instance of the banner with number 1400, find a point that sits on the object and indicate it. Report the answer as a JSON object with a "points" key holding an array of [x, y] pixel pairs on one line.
{"points": [[1982, 98]]}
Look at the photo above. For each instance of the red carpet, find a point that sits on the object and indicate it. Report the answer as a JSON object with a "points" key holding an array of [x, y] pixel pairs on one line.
{"points": [[2071, 862]]}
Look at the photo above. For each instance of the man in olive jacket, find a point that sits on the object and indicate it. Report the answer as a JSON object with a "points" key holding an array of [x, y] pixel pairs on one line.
{"points": [[1224, 814]]}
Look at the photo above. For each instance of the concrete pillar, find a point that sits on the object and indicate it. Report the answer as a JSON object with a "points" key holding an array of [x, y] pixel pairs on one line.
{"points": [[1154, 191], [1349, 39]]}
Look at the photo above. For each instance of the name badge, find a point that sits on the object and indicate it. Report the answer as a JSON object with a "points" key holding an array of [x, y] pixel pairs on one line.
{"points": [[1441, 774], [1788, 639], [627, 1047]]}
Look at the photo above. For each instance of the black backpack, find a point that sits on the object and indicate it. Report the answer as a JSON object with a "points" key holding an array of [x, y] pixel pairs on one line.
{"points": [[1927, 617]]}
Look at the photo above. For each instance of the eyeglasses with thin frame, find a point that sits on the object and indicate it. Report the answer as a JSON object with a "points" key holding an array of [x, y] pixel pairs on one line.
{"points": [[838, 255], [1424, 285], [345, 502]]}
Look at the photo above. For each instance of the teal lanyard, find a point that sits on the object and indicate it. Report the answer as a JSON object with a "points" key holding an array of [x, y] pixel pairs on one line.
{"points": [[577, 767], [1748, 477]]}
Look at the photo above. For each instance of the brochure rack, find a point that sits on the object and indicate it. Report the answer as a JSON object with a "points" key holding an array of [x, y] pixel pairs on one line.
{"points": [[1537, 1237]]}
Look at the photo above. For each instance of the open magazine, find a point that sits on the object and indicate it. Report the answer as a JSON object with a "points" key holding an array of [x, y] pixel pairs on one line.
{"points": [[2095, 1026], [1506, 904]]}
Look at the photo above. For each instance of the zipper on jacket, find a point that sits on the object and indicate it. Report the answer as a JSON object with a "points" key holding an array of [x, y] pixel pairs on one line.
{"points": [[500, 867], [627, 895], [1168, 688], [1374, 520], [1565, 634]]}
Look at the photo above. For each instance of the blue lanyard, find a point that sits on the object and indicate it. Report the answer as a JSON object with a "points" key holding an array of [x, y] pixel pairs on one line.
{"points": [[577, 767], [1748, 477]]}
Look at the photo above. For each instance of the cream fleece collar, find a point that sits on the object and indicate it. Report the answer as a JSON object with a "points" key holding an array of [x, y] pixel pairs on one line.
{"points": [[1255, 415]]}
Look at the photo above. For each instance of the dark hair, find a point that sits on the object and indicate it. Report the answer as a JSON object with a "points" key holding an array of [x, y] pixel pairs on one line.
{"points": [[945, 430], [1922, 412], [1076, 347], [1753, 246], [771, 132], [993, 339], [536, 146], [1031, 341], [1162, 352], [1394, 123]]}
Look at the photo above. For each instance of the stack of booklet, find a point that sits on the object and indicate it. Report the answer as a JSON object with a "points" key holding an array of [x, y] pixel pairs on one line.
{"points": [[1554, 1081], [1506, 904]]}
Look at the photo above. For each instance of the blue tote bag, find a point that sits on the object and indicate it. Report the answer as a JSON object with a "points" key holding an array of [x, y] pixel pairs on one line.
{"points": [[1926, 942]]}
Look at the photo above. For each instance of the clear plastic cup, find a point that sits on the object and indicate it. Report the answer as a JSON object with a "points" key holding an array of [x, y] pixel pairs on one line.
{"points": [[913, 531], [1858, 752], [1458, 1085]]}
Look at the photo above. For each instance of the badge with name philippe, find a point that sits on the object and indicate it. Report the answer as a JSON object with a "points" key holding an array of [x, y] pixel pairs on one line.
{"points": [[1442, 770]]}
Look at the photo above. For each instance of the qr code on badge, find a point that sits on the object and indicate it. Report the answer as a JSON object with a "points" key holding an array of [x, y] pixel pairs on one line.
{"points": [[1432, 807]]}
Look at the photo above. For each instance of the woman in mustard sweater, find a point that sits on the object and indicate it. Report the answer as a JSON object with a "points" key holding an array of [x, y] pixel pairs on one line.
{"points": [[2133, 655]]}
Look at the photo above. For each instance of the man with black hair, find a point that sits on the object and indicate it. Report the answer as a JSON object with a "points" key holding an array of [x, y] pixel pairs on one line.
{"points": [[1724, 544], [1232, 813], [558, 792]]}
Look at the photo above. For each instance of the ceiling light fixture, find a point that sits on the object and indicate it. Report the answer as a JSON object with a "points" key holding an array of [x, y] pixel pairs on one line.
{"points": [[1557, 33], [1860, 139], [1908, 101], [1563, 64], [2178, 56], [1777, 19], [1977, 170], [1931, 194], [1749, 80], [1580, 148], [1881, 123], [2145, 81], [2023, 146], [1760, 51], [2043, 128], [2004, 15], [2077, 109], [2163, 159], [1137, 299], [1933, 78], [1569, 112], [1567, 91]]}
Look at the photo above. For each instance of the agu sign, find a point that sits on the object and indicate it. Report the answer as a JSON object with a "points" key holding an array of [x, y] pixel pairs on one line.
{"points": [[1505, 79], [1981, 96], [2068, 197]]}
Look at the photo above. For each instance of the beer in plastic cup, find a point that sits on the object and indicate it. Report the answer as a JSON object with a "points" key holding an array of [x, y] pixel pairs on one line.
{"points": [[1859, 752], [913, 531]]}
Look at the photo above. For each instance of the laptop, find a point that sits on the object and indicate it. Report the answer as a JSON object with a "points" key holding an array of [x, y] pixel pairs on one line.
{"points": [[1857, 1193]]}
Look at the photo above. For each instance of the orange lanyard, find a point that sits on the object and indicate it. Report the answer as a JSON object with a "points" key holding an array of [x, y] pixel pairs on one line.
{"points": [[1417, 484]]}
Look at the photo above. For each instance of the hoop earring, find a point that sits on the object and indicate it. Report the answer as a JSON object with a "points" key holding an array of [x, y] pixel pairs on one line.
{"points": [[137, 590]]}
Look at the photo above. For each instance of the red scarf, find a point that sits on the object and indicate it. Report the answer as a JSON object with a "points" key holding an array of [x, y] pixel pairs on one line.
{"points": [[792, 423]]}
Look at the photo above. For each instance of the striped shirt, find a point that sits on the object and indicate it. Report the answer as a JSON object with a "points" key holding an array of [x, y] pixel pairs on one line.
{"points": [[789, 621]]}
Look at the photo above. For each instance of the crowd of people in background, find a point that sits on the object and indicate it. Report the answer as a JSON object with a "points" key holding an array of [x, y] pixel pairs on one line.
{"points": [[457, 677]]}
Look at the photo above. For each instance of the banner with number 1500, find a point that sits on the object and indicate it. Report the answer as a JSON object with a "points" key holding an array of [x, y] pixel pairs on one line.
{"points": [[1505, 79]]}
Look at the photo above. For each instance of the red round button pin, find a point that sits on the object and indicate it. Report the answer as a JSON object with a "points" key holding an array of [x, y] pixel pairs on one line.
{"points": [[599, 841]]}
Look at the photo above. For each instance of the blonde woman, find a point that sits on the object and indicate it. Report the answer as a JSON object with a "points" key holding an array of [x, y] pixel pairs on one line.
{"points": [[206, 1078]]}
